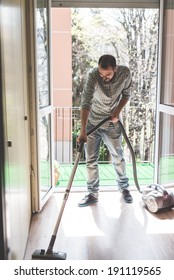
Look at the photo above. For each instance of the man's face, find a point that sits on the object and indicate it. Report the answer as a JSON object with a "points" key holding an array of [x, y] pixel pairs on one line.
{"points": [[106, 74]]}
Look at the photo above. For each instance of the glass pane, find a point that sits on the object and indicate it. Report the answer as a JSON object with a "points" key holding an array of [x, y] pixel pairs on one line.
{"points": [[42, 54], [167, 78], [166, 163], [45, 157]]}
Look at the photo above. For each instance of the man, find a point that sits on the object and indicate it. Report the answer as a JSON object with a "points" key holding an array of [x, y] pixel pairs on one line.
{"points": [[106, 92]]}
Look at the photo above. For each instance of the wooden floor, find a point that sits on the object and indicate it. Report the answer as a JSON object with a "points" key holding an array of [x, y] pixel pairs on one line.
{"points": [[108, 230]]}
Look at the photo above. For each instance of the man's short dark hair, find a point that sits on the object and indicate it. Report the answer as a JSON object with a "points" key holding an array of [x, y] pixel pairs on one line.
{"points": [[107, 60]]}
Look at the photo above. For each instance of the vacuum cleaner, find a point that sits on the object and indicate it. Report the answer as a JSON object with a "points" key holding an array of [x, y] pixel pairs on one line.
{"points": [[154, 196]]}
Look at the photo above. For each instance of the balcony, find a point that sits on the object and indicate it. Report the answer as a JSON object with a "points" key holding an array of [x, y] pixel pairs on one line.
{"points": [[67, 127]]}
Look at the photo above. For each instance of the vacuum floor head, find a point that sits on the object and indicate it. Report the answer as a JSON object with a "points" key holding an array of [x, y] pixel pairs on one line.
{"points": [[43, 255], [156, 197]]}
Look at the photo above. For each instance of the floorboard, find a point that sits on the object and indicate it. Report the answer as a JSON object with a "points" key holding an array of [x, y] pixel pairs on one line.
{"points": [[107, 230]]}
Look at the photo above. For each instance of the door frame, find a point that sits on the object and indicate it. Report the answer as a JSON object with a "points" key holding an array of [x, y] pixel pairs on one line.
{"points": [[160, 107], [36, 201], [105, 4], [157, 126], [3, 234]]}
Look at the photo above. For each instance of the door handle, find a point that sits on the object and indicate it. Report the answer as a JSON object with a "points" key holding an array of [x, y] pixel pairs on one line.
{"points": [[9, 143]]}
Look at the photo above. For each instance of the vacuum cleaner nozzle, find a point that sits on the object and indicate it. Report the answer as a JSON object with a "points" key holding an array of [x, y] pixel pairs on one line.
{"points": [[44, 255]]}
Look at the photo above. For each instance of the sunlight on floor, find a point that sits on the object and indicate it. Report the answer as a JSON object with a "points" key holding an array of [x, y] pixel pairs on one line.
{"points": [[109, 229], [160, 226], [84, 221], [82, 224]]}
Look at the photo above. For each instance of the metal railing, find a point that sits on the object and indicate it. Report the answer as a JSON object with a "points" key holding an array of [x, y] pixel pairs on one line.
{"points": [[67, 128]]}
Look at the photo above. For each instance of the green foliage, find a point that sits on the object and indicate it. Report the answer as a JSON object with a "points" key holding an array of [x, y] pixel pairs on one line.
{"points": [[103, 154], [81, 60]]}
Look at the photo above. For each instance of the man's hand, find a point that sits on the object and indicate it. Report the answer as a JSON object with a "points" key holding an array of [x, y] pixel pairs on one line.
{"points": [[82, 137], [115, 113], [115, 116], [114, 120]]}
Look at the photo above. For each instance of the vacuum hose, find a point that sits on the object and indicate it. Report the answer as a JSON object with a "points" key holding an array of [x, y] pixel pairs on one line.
{"points": [[127, 141], [132, 154]]}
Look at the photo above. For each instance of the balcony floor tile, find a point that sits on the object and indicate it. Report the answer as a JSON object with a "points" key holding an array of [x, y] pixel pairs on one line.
{"points": [[107, 174]]}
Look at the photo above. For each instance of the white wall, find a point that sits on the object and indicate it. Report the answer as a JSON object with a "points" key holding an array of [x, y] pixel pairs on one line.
{"points": [[14, 63]]}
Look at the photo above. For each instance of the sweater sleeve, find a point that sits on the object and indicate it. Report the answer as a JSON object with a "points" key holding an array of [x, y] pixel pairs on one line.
{"points": [[127, 87], [88, 91]]}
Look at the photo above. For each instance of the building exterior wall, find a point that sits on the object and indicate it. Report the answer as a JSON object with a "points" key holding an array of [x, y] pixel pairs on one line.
{"points": [[62, 80]]}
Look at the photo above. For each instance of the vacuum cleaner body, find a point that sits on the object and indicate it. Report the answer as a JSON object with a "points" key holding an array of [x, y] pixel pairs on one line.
{"points": [[156, 197]]}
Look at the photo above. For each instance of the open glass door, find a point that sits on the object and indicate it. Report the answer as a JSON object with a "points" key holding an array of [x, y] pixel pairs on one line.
{"points": [[165, 105], [43, 101]]}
